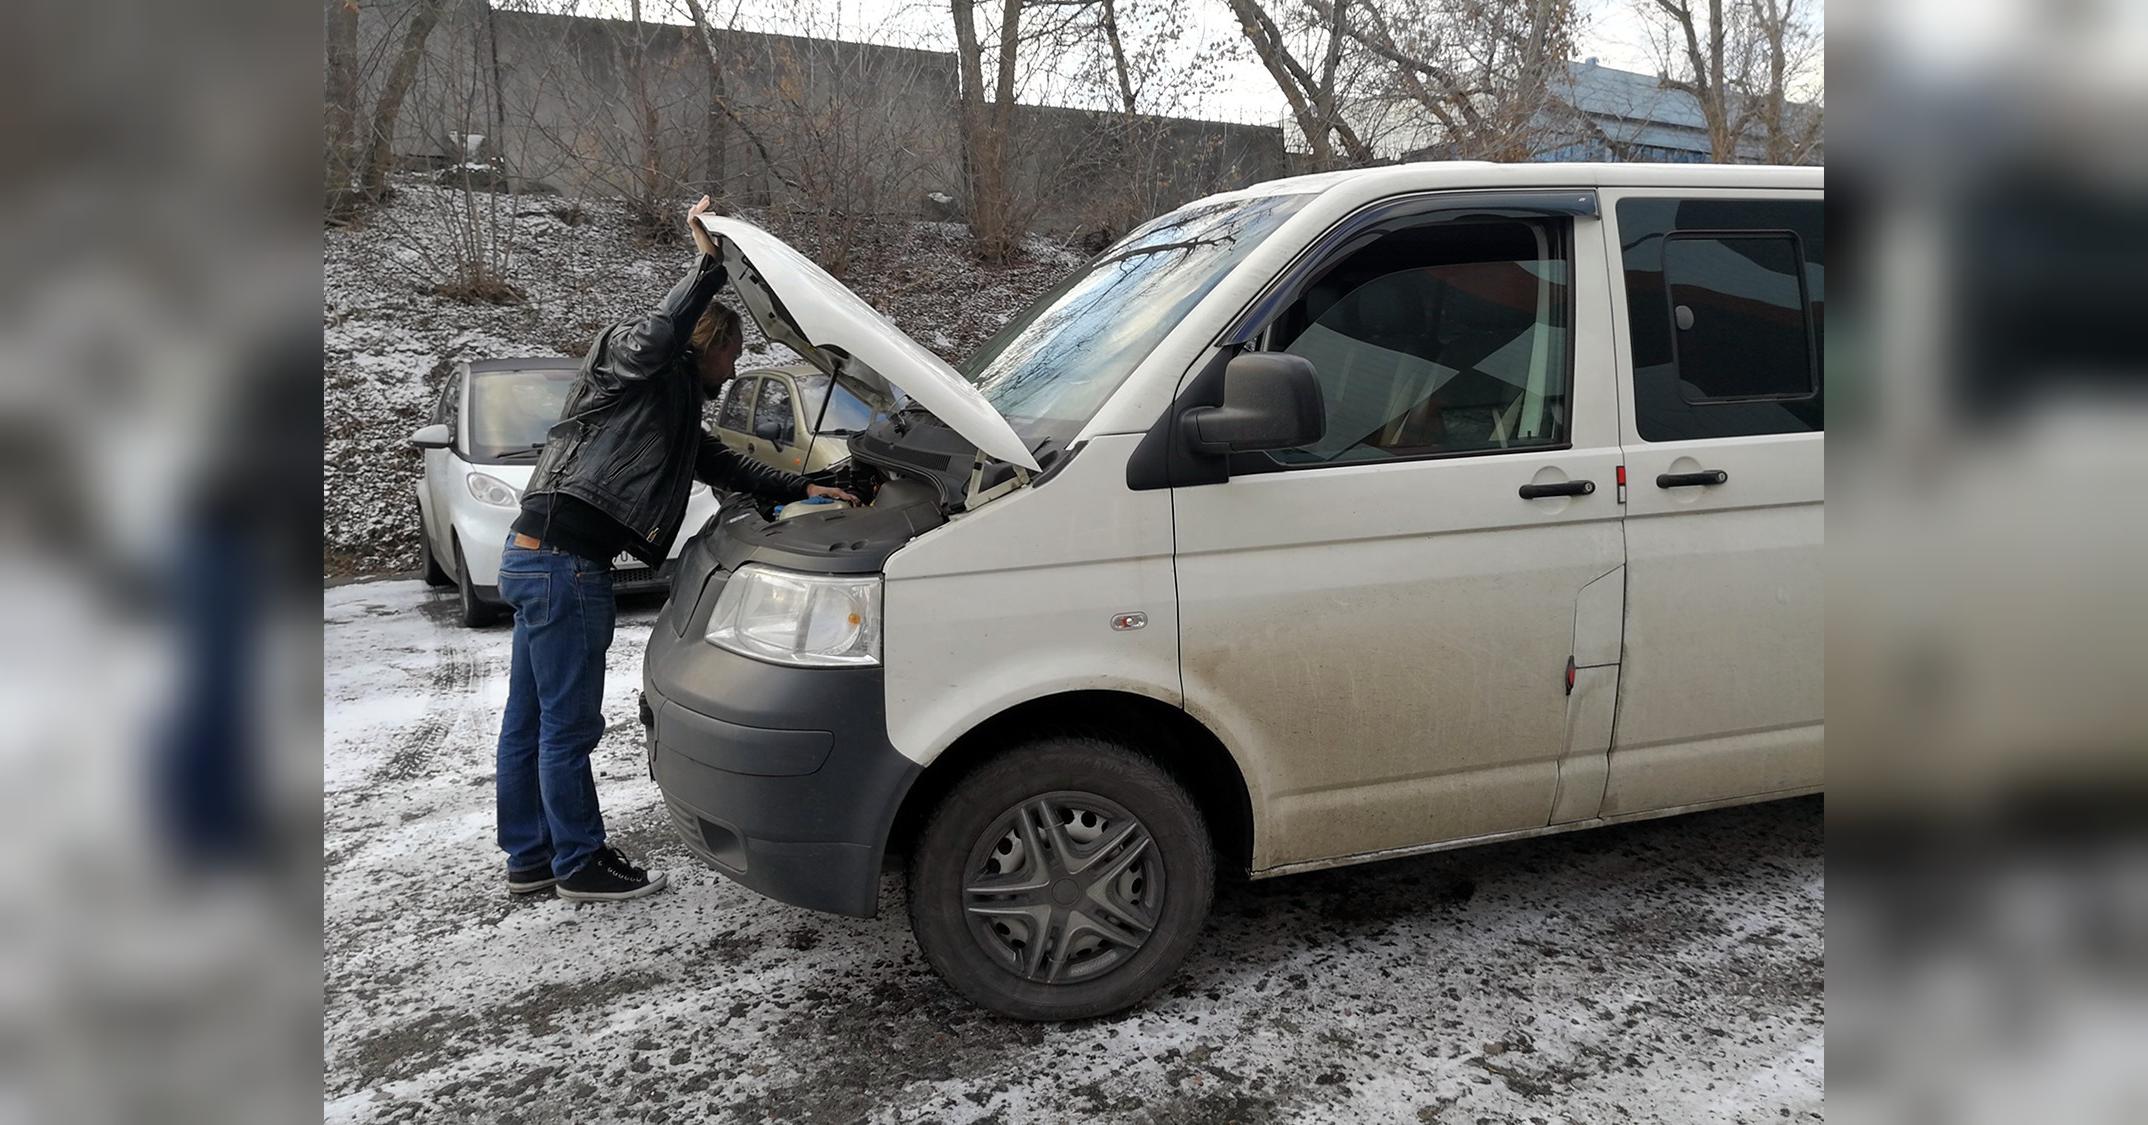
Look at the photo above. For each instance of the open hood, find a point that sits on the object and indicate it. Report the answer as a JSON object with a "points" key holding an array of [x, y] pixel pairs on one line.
{"points": [[799, 306]]}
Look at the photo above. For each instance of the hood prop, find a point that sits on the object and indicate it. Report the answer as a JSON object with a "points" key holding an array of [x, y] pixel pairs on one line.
{"points": [[979, 494]]}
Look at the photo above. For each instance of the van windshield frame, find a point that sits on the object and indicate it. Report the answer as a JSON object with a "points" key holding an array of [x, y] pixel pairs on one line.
{"points": [[1055, 365]]}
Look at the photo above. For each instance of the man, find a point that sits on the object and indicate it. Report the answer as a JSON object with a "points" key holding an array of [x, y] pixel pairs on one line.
{"points": [[614, 477]]}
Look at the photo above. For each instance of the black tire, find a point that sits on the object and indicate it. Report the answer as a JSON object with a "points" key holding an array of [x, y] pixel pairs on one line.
{"points": [[1085, 911], [428, 563], [476, 612]]}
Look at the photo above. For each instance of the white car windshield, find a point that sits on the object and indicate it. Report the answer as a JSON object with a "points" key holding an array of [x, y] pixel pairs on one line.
{"points": [[510, 411], [1053, 366]]}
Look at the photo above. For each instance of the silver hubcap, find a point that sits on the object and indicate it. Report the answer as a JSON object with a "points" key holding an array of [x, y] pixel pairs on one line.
{"points": [[1063, 888]]}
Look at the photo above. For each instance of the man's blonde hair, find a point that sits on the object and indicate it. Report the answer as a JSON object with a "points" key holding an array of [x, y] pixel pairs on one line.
{"points": [[718, 326]]}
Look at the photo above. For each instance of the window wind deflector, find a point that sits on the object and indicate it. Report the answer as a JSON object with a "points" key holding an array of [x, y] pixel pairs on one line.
{"points": [[1390, 215]]}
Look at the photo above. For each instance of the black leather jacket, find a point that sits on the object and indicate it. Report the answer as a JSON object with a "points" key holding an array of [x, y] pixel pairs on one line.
{"points": [[630, 441]]}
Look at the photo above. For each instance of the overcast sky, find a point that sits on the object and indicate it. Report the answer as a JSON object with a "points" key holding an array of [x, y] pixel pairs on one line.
{"points": [[1613, 33]]}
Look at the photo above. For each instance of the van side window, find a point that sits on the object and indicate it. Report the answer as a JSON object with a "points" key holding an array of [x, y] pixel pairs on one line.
{"points": [[732, 414], [1448, 338], [1725, 303], [774, 409]]}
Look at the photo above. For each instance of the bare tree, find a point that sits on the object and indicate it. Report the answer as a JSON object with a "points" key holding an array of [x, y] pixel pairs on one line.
{"points": [[380, 136], [717, 134], [1789, 131], [1139, 161], [1108, 24], [1478, 71], [649, 202], [849, 159], [993, 226], [340, 98], [1737, 60], [619, 110], [1312, 98], [1702, 59], [843, 127], [457, 234], [721, 101]]}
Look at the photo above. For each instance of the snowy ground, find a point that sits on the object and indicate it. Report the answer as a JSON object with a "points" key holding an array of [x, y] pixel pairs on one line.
{"points": [[1668, 971]]}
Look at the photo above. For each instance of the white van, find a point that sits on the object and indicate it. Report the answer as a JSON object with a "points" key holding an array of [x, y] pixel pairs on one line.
{"points": [[1339, 518]]}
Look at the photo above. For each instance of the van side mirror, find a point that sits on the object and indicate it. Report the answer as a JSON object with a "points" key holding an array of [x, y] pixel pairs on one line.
{"points": [[1271, 400], [435, 436], [768, 431]]}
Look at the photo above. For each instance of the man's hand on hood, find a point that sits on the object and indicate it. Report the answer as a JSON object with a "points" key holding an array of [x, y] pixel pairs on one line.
{"points": [[702, 238]]}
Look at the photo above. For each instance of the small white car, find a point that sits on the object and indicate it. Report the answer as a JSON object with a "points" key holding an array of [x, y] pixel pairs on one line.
{"points": [[482, 441]]}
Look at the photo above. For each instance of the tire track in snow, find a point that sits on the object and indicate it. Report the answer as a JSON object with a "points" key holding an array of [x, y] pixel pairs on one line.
{"points": [[458, 668]]}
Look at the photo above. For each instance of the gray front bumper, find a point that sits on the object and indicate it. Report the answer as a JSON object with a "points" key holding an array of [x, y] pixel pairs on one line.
{"points": [[781, 778]]}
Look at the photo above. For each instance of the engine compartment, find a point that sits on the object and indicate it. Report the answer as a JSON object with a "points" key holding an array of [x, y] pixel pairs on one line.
{"points": [[837, 539]]}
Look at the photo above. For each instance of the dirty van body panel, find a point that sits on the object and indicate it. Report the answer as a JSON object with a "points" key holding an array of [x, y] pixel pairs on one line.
{"points": [[1016, 601], [1384, 641], [1399, 687], [1721, 693]]}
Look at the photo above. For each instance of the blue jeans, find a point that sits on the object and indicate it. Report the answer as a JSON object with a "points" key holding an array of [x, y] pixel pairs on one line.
{"points": [[555, 707]]}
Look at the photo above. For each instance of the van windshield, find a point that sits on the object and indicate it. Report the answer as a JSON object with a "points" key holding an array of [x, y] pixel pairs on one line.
{"points": [[1052, 366]]}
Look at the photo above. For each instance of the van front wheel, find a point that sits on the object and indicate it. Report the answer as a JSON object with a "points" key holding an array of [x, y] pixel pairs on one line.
{"points": [[1064, 879]]}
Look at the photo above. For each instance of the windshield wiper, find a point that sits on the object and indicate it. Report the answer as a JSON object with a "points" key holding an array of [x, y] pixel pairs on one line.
{"points": [[527, 452]]}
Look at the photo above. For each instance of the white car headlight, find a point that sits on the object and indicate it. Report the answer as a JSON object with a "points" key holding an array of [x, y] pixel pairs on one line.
{"points": [[493, 491], [820, 620]]}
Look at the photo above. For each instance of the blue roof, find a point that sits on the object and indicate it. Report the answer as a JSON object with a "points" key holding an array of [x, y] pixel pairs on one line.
{"points": [[1601, 91], [1639, 110]]}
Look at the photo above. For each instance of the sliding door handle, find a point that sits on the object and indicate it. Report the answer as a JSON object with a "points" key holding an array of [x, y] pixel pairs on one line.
{"points": [[1560, 488], [1680, 480]]}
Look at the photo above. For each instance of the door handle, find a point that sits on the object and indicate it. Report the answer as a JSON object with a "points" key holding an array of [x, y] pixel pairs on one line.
{"points": [[1560, 488], [1679, 480]]}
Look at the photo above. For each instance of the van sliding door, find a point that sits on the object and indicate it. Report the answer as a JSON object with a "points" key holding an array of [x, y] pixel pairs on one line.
{"points": [[1720, 692]]}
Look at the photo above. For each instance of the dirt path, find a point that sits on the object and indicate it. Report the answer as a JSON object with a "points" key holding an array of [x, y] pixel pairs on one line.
{"points": [[1669, 971]]}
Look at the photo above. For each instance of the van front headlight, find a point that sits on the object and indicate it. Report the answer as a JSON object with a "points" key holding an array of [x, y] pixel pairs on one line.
{"points": [[817, 620]]}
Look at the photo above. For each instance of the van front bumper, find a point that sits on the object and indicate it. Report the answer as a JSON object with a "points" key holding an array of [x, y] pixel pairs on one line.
{"points": [[781, 778]]}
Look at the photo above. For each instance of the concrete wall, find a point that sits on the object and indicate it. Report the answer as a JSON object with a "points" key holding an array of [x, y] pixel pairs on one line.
{"points": [[1092, 170], [817, 124]]}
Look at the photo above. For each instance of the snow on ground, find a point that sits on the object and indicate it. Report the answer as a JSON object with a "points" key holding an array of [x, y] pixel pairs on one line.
{"points": [[1665, 971], [388, 341]]}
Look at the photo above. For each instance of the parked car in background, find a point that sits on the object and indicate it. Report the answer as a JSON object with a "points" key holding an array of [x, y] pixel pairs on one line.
{"points": [[771, 415], [1325, 521], [487, 428]]}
